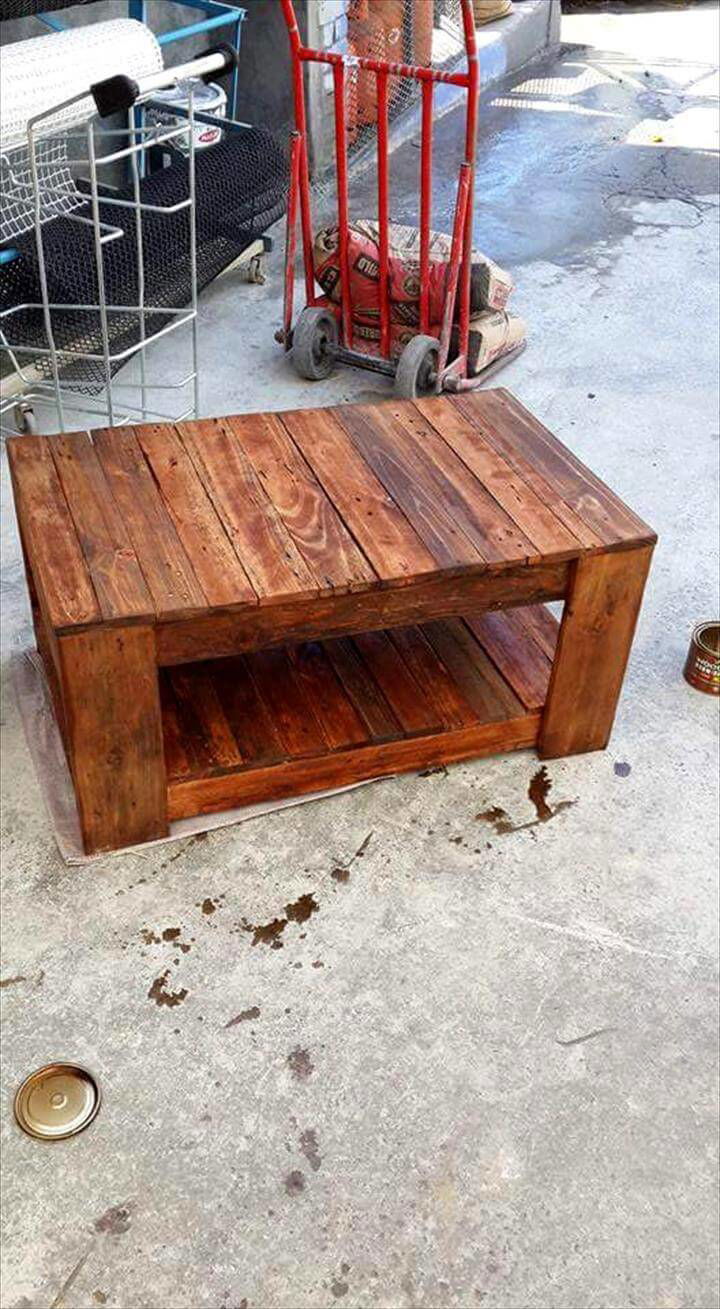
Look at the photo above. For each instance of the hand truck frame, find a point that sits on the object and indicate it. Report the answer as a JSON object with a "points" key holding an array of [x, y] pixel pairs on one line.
{"points": [[323, 333]]}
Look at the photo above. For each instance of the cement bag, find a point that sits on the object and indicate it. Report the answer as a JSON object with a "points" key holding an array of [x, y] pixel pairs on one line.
{"points": [[493, 334], [490, 285]]}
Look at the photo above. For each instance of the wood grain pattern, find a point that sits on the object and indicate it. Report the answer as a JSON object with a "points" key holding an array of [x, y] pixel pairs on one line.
{"points": [[602, 511], [167, 570], [593, 648], [396, 681], [549, 536], [385, 447], [204, 539], [53, 550], [318, 531], [219, 633], [475, 676], [499, 538], [119, 584], [262, 542], [387, 538], [114, 735], [516, 655], [345, 767]]}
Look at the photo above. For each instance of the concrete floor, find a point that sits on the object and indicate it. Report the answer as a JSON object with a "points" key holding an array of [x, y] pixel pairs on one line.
{"points": [[401, 1113]]}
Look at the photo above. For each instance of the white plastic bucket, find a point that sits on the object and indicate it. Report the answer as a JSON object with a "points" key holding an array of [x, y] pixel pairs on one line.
{"points": [[207, 99]]}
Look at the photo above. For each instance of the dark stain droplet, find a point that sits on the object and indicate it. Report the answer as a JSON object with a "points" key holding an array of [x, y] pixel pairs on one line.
{"points": [[115, 1221], [160, 994], [300, 1064], [538, 792], [340, 874], [621, 769], [99, 1297], [298, 911], [310, 1148], [295, 1182], [338, 1288], [171, 933], [244, 1016], [208, 906]]}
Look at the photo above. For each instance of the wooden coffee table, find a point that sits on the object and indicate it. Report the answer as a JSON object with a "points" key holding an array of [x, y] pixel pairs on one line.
{"points": [[262, 606]]}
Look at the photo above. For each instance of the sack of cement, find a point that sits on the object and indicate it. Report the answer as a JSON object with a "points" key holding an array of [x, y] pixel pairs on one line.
{"points": [[490, 285], [493, 334]]}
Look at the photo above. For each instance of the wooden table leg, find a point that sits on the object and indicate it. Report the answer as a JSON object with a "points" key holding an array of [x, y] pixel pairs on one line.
{"points": [[592, 652], [114, 735]]}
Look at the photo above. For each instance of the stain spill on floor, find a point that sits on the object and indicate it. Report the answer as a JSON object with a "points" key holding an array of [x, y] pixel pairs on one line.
{"points": [[295, 1182], [341, 873], [310, 1148], [115, 1221], [12, 981], [622, 769], [209, 905], [160, 994], [300, 1064], [298, 911], [245, 1016], [538, 791]]}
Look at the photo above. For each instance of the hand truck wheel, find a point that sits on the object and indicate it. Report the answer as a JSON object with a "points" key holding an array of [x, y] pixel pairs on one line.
{"points": [[314, 341], [25, 420], [417, 368]]}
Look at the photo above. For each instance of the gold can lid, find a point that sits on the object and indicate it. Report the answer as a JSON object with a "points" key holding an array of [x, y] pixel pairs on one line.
{"points": [[57, 1101]]}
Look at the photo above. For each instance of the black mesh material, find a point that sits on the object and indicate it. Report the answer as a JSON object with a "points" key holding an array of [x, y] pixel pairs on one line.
{"points": [[241, 186], [28, 8]]}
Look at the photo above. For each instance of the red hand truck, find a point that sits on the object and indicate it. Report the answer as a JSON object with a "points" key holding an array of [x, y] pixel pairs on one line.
{"points": [[323, 333]]}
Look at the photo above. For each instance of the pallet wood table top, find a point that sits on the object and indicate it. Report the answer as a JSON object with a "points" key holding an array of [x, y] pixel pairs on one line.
{"points": [[163, 523], [386, 535]]}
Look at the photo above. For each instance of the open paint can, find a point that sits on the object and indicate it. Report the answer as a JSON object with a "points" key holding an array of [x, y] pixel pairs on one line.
{"points": [[702, 667]]}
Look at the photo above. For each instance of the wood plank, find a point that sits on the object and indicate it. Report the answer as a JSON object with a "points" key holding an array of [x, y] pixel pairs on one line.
{"points": [[533, 516], [515, 654], [167, 570], [177, 763], [586, 495], [292, 712], [627, 523], [400, 688], [226, 633], [215, 563], [500, 438], [114, 731], [473, 673], [203, 718], [248, 715], [112, 563], [56, 559], [319, 533], [433, 677], [266, 549], [593, 648], [342, 724], [477, 512], [389, 541], [362, 690], [344, 767], [542, 626], [393, 458]]}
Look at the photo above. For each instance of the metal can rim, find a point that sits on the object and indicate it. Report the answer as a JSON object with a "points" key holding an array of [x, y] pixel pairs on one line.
{"points": [[44, 1069]]}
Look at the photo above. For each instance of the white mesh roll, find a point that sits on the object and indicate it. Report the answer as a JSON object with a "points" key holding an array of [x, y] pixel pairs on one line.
{"points": [[38, 74]]}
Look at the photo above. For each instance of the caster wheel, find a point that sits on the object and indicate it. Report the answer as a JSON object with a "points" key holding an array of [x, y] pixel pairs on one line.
{"points": [[417, 368], [314, 341], [25, 419]]}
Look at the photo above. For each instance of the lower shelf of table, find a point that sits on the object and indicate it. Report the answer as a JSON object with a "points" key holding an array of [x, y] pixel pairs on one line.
{"points": [[309, 717]]}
